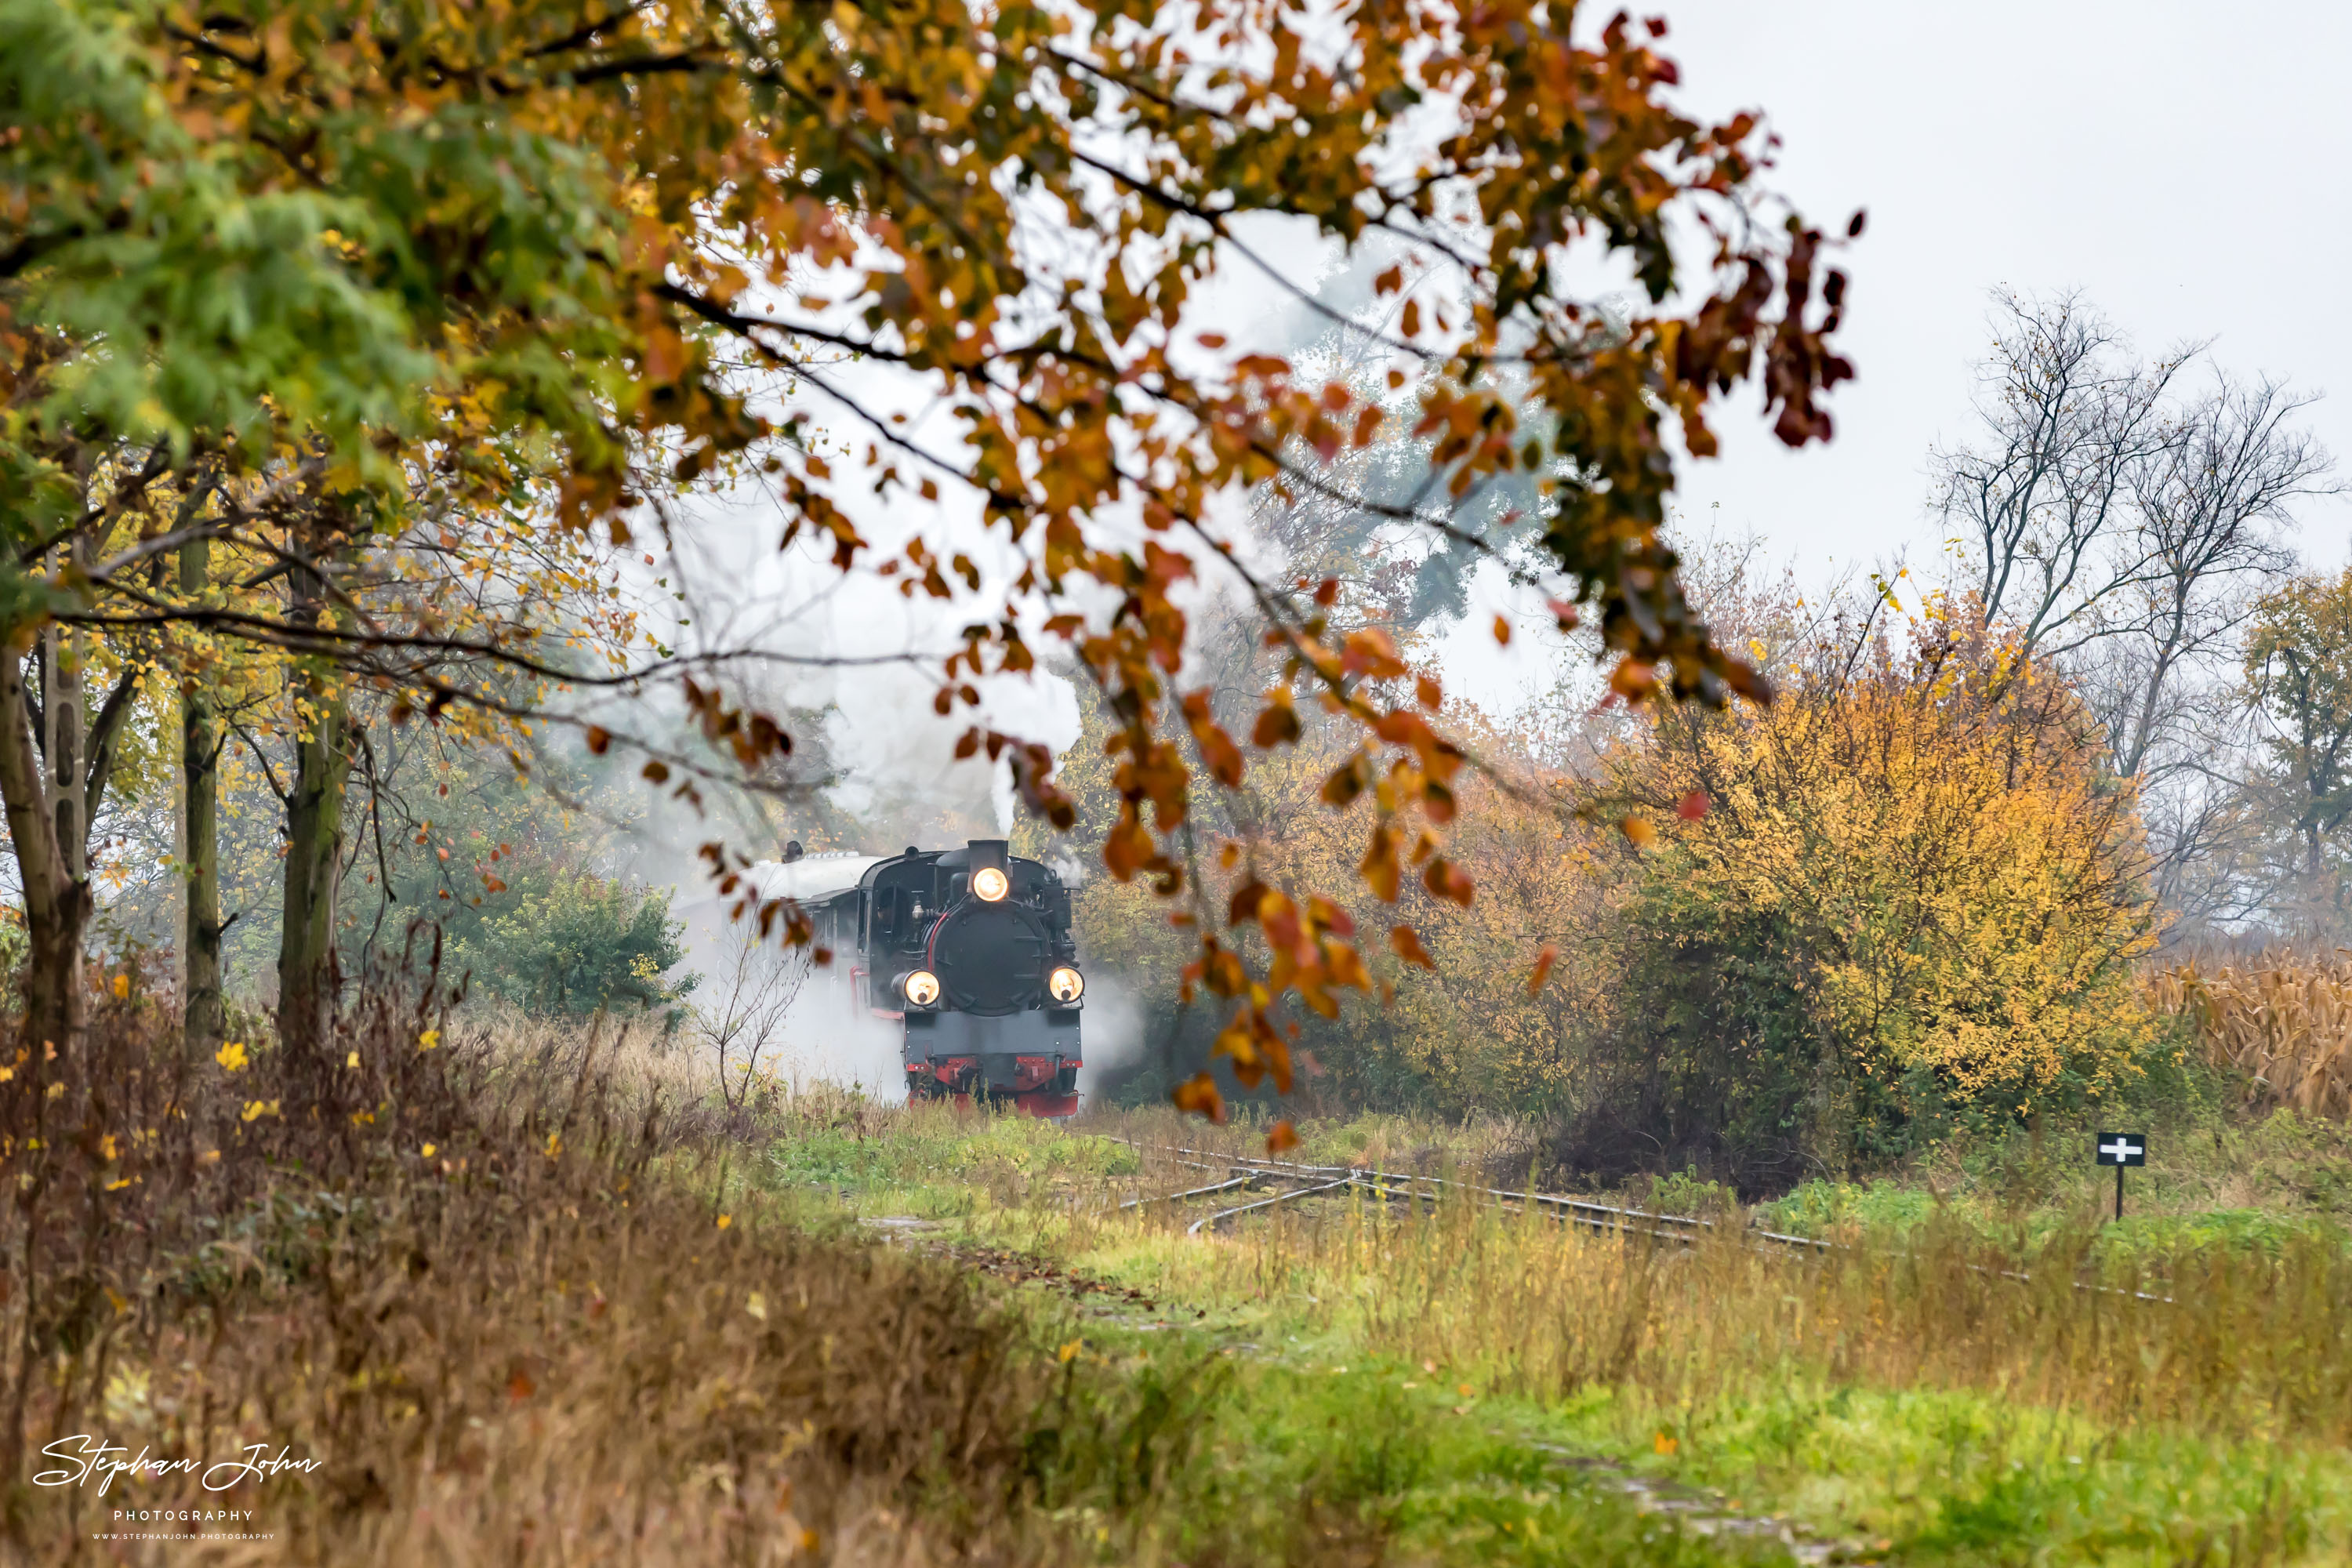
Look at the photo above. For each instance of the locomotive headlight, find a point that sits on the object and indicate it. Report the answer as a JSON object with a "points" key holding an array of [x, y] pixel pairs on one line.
{"points": [[1065, 985], [922, 987], [990, 883]]}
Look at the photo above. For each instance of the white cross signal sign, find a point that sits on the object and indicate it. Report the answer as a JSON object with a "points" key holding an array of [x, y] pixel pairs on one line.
{"points": [[2123, 1149]]}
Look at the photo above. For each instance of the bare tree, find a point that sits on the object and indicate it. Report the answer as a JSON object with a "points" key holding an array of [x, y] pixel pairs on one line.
{"points": [[2208, 505], [2123, 533], [745, 1017], [2041, 503]]}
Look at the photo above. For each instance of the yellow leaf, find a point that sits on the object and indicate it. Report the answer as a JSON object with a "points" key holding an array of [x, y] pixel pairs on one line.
{"points": [[231, 1057], [725, 1220], [427, 1151], [428, 1039]]}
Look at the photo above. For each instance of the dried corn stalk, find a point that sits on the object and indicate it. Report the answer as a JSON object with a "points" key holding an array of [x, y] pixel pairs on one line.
{"points": [[2284, 1019]]}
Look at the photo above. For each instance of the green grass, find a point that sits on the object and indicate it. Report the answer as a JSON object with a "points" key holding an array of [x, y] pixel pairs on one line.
{"points": [[1989, 1430], [1174, 1447]]}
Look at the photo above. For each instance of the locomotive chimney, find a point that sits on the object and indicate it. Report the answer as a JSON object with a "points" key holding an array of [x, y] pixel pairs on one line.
{"points": [[996, 852]]}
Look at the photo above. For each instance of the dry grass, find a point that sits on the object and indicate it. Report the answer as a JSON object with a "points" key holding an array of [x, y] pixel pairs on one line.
{"points": [[2254, 1344], [2282, 1019], [509, 1315]]}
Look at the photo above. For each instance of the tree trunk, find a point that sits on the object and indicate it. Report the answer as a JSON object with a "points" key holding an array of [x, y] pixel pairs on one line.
{"points": [[51, 844], [202, 1019], [307, 974]]}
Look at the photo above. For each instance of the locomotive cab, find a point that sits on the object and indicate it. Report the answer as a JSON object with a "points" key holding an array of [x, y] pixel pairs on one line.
{"points": [[971, 952]]}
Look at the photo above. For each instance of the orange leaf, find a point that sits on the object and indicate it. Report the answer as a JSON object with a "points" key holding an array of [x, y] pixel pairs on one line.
{"points": [[1198, 1096], [1281, 1138], [1638, 832], [1634, 680], [599, 739], [1379, 865], [1544, 960], [1444, 880], [1408, 947], [1503, 631], [1277, 722]]}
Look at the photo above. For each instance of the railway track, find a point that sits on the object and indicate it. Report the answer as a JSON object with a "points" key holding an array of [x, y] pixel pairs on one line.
{"points": [[1311, 1180]]}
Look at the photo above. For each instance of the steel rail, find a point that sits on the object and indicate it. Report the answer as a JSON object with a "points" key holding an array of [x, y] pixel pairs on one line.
{"points": [[1583, 1211], [1209, 1221], [1250, 1179]]}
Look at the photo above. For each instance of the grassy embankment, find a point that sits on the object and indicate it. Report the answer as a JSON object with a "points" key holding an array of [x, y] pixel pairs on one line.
{"points": [[516, 1321], [515, 1318], [1904, 1388]]}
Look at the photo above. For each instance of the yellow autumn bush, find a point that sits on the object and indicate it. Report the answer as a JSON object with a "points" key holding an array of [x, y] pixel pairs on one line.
{"points": [[1911, 903]]}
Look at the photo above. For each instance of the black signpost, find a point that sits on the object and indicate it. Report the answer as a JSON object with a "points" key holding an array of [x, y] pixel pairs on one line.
{"points": [[2121, 1149]]}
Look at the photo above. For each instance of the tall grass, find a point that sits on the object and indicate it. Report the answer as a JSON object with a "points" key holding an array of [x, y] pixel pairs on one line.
{"points": [[2282, 1019], [2252, 1344], [514, 1315]]}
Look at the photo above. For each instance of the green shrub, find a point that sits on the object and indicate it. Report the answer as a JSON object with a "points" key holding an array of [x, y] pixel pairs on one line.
{"points": [[573, 944]]}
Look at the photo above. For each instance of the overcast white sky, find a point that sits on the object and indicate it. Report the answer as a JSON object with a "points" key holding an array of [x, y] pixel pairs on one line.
{"points": [[2181, 162]]}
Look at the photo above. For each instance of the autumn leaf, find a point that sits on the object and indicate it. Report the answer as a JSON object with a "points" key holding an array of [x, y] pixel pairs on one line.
{"points": [[1638, 832], [1198, 1096], [1446, 880], [1281, 1138], [1408, 947], [1545, 959]]}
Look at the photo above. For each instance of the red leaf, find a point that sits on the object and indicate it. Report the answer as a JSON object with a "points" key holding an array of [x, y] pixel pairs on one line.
{"points": [[1693, 805]]}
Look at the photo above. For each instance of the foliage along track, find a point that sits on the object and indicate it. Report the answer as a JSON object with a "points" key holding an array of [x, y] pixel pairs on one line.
{"points": [[1700, 1512]]}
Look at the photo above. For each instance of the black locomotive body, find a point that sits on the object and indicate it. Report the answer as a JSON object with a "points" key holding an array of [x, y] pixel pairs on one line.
{"points": [[970, 950]]}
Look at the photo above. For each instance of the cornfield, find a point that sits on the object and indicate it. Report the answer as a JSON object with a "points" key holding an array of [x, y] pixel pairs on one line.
{"points": [[2282, 1019]]}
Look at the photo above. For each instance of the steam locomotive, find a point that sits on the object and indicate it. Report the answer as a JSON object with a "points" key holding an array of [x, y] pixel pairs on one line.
{"points": [[970, 950]]}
